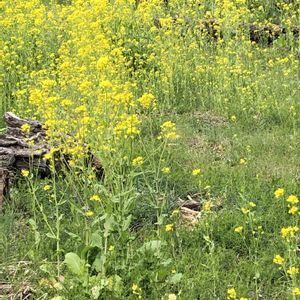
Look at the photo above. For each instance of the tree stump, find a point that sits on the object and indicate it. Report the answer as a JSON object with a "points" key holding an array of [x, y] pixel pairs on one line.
{"points": [[23, 146]]}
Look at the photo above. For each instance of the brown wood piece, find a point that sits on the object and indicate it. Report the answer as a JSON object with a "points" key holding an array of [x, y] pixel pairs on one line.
{"points": [[17, 152], [13, 121], [257, 33], [4, 185]]}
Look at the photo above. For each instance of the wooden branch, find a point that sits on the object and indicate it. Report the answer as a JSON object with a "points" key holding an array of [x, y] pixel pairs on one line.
{"points": [[4, 184], [257, 33], [14, 121], [17, 152]]}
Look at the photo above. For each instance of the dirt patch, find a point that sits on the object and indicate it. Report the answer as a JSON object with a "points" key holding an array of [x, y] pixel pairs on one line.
{"points": [[210, 119]]}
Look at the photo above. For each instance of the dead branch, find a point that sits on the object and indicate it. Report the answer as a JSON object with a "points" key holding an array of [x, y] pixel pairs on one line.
{"points": [[25, 149]]}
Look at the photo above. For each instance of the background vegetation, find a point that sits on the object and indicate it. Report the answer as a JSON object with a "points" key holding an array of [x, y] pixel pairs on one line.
{"points": [[170, 110]]}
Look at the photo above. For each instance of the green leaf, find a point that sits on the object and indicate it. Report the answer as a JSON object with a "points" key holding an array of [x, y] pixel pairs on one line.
{"points": [[152, 246], [72, 235], [75, 264], [126, 223], [160, 220], [32, 223], [167, 262], [174, 279], [51, 235], [96, 240], [46, 268], [63, 202], [37, 237], [60, 217], [97, 264], [108, 226]]}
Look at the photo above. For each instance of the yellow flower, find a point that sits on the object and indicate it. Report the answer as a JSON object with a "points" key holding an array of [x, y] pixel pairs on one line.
{"points": [[293, 270], [66, 102], [245, 210], [91, 176], [47, 156], [168, 131], [128, 126], [279, 193], [296, 291], [238, 229], [289, 232], [207, 205], [252, 204], [172, 297], [45, 282], [278, 260], [175, 212], [233, 118], [243, 161], [292, 199], [231, 293], [25, 173], [147, 100], [293, 210], [80, 109], [111, 248], [169, 227], [95, 198], [89, 213], [196, 172], [71, 163], [243, 298], [136, 290], [25, 128], [166, 170], [106, 84], [102, 62], [138, 161], [47, 187]]}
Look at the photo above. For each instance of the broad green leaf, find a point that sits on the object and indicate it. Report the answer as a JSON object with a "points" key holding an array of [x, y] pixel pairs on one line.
{"points": [[75, 264], [108, 226], [96, 240], [126, 223], [174, 279], [51, 235], [152, 246]]}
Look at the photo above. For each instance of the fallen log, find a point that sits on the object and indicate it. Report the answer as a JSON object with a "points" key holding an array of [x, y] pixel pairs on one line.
{"points": [[257, 33], [24, 145]]}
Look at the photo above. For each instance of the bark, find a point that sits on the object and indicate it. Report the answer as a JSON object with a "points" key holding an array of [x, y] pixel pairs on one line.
{"points": [[20, 150]]}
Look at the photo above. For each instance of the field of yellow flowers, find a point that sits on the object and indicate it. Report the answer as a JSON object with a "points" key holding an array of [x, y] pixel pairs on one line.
{"points": [[178, 99]]}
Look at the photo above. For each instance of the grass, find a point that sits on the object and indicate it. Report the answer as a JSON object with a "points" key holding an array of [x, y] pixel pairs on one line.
{"points": [[154, 103]]}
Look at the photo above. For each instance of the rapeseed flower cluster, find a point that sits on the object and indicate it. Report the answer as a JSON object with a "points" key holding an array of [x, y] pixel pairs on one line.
{"points": [[279, 193], [232, 294], [279, 260], [138, 161], [289, 234], [168, 131]]}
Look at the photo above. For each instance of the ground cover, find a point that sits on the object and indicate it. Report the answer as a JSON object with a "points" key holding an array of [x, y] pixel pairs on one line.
{"points": [[174, 110]]}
